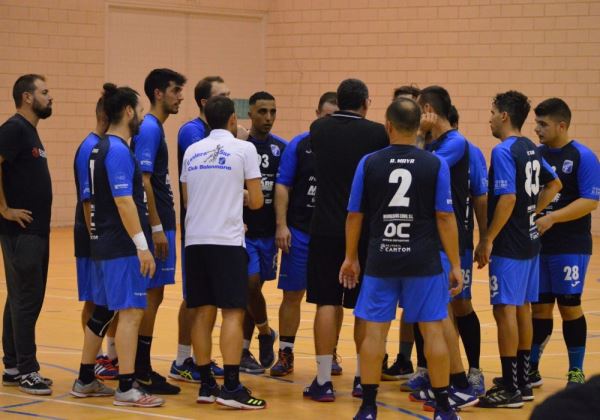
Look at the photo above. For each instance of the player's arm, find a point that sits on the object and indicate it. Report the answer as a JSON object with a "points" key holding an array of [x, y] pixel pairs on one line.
{"points": [[479, 190], [184, 194], [547, 194], [480, 210], [161, 245], [87, 215], [131, 222], [256, 198], [283, 236]]}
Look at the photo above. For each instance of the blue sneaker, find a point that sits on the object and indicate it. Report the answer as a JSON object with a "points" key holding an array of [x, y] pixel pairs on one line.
{"points": [[187, 372], [320, 393], [217, 371], [419, 380], [366, 413], [458, 398], [446, 415], [208, 394], [357, 391], [477, 381], [423, 395]]}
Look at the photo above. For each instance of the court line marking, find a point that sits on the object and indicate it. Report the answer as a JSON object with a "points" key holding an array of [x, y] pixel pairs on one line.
{"points": [[41, 416], [100, 407]]}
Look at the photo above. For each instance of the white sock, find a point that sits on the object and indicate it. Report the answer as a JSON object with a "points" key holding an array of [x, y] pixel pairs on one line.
{"points": [[11, 371], [246, 344], [357, 366], [111, 349], [285, 345], [183, 352], [324, 368]]}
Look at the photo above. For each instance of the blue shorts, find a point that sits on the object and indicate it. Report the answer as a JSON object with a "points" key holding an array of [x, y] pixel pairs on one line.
{"points": [[292, 275], [466, 266], [86, 271], [424, 299], [122, 286], [165, 269], [563, 274], [514, 282], [262, 257]]}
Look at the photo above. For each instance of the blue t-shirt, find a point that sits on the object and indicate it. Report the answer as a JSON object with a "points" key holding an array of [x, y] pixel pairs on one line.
{"points": [[517, 167], [114, 172], [399, 189], [297, 171], [150, 149], [82, 183], [578, 169]]}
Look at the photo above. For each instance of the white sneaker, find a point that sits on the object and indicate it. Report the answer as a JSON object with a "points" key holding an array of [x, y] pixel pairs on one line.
{"points": [[135, 397]]}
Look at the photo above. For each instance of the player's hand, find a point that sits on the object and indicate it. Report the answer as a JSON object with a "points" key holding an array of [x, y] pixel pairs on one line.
{"points": [[147, 264], [242, 133], [456, 281], [482, 253], [161, 245], [283, 238], [349, 273], [544, 223], [246, 198], [21, 216], [428, 120]]}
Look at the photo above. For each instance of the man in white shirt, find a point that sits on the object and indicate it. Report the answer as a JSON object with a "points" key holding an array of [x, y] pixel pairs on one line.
{"points": [[213, 175]]}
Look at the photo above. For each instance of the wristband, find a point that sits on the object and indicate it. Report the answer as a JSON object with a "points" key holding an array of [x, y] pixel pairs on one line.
{"points": [[140, 241], [157, 228]]}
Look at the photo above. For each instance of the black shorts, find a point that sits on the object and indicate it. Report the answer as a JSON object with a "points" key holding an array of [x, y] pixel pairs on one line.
{"points": [[325, 258], [216, 275]]}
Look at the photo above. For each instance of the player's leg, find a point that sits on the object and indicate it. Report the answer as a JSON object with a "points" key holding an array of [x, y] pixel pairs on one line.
{"points": [[336, 367], [203, 322], [402, 367], [289, 321], [268, 271]]}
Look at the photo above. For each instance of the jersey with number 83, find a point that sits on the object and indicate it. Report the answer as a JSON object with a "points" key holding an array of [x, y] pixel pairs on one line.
{"points": [[517, 168]]}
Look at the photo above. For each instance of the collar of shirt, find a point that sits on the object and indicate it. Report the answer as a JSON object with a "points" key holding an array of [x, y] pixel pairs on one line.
{"points": [[221, 134], [347, 114]]}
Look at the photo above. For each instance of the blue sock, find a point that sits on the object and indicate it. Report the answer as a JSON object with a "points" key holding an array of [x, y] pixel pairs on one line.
{"points": [[576, 355]]}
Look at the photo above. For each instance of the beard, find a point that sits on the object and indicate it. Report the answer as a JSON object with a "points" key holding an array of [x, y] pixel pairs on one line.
{"points": [[134, 126], [41, 112]]}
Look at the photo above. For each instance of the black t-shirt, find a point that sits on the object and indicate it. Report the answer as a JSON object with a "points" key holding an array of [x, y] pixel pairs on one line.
{"points": [[261, 222], [338, 143], [25, 176], [399, 189]]}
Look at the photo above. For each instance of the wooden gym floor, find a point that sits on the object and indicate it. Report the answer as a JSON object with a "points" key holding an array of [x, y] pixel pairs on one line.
{"points": [[59, 340]]}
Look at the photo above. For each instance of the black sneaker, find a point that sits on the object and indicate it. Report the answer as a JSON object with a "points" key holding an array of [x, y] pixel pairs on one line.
{"points": [[535, 378], [241, 399], [401, 369], [526, 390], [32, 383], [500, 397], [249, 364], [157, 384], [208, 394], [15, 380], [266, 355]]}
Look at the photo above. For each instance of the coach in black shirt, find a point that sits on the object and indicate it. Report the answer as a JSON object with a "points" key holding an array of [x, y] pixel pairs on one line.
{"points": [[25, 202], [338, 143]]}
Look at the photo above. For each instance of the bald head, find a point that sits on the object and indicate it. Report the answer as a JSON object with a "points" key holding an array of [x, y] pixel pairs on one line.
{"points": [[403, 118]]}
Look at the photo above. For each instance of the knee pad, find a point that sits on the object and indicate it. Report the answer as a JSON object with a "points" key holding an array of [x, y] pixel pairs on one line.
{"points": [[569, 300], [544, 298], [100, 320]]}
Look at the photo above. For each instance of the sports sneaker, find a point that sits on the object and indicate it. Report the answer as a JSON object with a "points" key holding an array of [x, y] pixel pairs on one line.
{"points": [[217, 371], [186, 372], [249, 364], [320, 393], [15, 380], [458, 399], [240, 398], [500, 397], [157, 384], [208, 394], [422, 395], [535, 378], [336, 367], [576, 378], [418, 380], [32, 383], [357, 391], [477, 381], [285, 363], [105, 369], [366, 413], [136, 397], [526, 390], [401, 369], [446, 415], [93, 389], [266, 355]]}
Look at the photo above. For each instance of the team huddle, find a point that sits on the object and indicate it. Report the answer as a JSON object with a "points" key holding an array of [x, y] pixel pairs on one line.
{"points": [[366, 216]]}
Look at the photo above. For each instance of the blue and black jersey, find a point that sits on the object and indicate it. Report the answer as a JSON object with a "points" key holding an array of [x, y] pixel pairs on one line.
{"points": [[399, 189], [150, 149], [82, 183], [454, 149], [261, 222], [517, 167], [578, 169], [478, 186], [114, 172], [297, 171]]}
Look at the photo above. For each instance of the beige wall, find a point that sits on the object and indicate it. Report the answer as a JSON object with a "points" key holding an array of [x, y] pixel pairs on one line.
{"points": [[298, 49]]}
